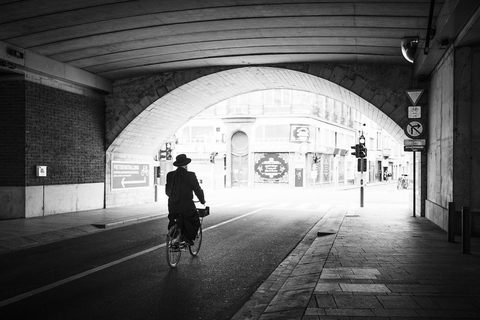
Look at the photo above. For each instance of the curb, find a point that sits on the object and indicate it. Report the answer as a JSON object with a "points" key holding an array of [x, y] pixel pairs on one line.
{"points": [[287, 291], [34, 240], [108, 225]]}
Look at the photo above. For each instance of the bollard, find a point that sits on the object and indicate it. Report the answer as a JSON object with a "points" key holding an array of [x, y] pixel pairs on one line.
{"points": [[466, 229], [451, 222]]}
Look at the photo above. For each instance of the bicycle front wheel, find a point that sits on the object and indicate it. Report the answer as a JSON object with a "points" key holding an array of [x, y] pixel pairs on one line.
{"points": [[173, 252], [197, 243]]}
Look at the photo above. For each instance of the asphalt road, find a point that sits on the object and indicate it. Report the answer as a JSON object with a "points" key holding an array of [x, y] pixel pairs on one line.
{"points": [[235, 258], [122, 273]]}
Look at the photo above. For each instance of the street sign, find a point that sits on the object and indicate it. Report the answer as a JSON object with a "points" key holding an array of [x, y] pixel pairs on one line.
{"points": [[414, 112], [413, 148], [127, 175], [415, 142], [414, 95], [415, 129]]}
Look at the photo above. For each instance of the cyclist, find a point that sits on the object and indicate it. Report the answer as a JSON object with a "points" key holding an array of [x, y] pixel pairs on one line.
{"points": [[180, 187]]}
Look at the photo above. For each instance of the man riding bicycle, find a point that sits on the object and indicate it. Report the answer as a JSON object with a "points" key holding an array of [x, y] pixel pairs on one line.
{"points": [[180, 187]]}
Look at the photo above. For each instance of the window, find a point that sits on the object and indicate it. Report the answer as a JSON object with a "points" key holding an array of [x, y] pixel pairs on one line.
{"points": [[202, 135], [272, 133]]}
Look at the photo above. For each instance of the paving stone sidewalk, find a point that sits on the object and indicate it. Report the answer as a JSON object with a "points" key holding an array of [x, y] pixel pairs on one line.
{"points": [[379, 263]]}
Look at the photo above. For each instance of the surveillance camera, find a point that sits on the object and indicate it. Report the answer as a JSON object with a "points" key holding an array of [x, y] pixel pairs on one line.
{"points": [[409, 47]]}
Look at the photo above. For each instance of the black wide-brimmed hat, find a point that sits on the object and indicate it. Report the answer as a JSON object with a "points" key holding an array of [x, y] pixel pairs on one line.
{"points": [[181, 160]]}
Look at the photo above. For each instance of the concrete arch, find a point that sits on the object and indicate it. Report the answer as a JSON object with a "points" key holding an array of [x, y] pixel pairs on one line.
{"points": [[151, 126]]}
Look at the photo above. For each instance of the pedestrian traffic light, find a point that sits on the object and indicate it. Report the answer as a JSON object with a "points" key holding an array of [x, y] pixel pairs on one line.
{"points": [[212, 157], [357, 150], [362, 152], [362, 165], [168, 151]]}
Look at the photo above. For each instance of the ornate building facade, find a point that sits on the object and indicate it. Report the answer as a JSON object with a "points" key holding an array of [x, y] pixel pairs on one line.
{"points": [[285, 138]]}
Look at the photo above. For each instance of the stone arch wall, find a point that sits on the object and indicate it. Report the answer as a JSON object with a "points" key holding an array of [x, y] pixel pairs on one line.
{"points": [[142, 113]]}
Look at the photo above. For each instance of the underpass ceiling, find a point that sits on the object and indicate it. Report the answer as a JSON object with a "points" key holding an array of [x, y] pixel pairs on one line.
{"points": [[122, 39]]}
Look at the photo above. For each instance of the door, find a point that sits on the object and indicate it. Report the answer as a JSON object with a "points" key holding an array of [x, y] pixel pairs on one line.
{"points": [[239, 159]]}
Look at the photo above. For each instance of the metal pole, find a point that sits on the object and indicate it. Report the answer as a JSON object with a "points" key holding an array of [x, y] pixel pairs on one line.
{"points": [[451, 222], [361, 183], [466, 229], [414, 184], [361, 193]]}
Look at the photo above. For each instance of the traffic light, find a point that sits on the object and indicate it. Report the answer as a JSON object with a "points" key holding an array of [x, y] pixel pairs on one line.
{"points": [[357, 150], [212, 157], [162, 155], [362, 165], [362, 152], [168, 151]]}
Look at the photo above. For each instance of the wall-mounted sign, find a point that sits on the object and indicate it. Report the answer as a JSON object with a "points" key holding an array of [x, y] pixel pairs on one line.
{"points": [[299, 133], [130, 175], [41, 171], [271, 167]]}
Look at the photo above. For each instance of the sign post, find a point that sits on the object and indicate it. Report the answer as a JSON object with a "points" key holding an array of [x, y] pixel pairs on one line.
{"points": [[362, 154], [414, 180], [415, 129]]}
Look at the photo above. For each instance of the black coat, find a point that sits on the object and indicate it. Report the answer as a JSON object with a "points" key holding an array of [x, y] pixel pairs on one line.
{"points": [[180, 187]]}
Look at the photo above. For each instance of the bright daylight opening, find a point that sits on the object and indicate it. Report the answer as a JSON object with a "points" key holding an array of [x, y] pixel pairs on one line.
{"points": [[288, 138]]}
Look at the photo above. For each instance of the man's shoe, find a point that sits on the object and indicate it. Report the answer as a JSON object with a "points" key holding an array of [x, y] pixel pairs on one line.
{"points": [[189, 242]]}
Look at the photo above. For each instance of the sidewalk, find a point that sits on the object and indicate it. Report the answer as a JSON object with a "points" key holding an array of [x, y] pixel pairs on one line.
{"points": [[374, 262], [23, 233]]}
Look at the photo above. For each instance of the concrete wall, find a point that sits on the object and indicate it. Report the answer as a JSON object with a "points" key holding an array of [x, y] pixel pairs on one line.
{"points": [[37, 201], [440, 142], [475, 141], [467, 133], [453, 158]]}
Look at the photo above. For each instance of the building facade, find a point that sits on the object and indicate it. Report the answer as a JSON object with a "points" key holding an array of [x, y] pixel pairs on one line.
{"points": [[285, 138]]}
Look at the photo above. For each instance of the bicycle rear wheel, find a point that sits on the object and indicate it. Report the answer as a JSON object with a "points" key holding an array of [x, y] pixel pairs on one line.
{"points": [[197, 243], [173, 251]]}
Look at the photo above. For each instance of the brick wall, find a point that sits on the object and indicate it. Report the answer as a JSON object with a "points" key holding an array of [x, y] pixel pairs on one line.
{"points": [[65, 132], [12, 133]]}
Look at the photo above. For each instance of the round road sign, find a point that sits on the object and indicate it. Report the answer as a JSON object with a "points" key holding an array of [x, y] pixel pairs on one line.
{"points": [[415, 129]]}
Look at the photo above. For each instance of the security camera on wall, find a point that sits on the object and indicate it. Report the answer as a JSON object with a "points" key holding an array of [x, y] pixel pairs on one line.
{"points": [[409, 47]]}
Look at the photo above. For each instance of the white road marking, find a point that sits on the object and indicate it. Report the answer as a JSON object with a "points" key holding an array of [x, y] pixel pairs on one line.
{"points": [[102, 267]]}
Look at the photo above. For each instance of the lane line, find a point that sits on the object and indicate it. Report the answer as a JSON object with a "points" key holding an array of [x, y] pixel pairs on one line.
{"points": [[102, 267]]}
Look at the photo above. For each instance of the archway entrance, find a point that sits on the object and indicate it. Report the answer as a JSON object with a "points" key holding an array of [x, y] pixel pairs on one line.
{"points": [[239, 153]]}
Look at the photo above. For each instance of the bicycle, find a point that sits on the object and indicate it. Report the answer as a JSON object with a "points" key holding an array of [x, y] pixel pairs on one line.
{"points": [[175, 249]]}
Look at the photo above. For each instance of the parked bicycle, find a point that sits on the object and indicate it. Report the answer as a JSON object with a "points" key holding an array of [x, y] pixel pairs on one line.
{"points": [[175, 248]]}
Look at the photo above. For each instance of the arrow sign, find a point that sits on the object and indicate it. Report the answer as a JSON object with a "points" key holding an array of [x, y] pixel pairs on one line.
{"points": [[129, 175], [415, 129], [133, 182], [414, 95]]}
